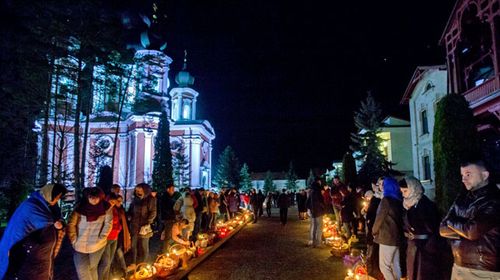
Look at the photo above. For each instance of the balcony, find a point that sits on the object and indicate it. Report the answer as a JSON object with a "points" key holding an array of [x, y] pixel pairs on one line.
{"points": [[481, 91]]}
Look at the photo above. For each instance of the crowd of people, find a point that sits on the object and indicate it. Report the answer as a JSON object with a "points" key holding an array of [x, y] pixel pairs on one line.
{"points": [[404, 234]]}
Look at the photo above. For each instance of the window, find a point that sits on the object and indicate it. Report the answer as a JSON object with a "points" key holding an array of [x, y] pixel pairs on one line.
{"points": [[186, 111], [425, 126], [427, 167]]}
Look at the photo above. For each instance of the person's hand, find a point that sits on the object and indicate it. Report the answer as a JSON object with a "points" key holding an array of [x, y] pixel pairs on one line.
{"points": [[58, 225]]}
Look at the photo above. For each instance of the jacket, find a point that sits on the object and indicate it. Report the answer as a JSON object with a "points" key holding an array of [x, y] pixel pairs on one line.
{"points": [[315, 203], [472, 224], [89, 237], [388, 226], [142, 212]]}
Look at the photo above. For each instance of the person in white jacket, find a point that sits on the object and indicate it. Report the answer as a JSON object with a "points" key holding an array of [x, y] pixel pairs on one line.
{"points": [[185, 205], [88, 229]]}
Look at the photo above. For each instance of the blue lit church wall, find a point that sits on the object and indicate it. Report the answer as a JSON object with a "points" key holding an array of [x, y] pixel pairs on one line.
{"points": [[128, 105]]}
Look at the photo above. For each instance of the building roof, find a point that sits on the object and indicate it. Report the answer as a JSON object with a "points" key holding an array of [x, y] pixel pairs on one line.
{"points": [[415, 79], [448, 23], [260, 176], [391, 121]]}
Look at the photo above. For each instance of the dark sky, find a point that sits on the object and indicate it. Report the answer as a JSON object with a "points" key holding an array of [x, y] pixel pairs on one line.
{"points": [[280, 80]]}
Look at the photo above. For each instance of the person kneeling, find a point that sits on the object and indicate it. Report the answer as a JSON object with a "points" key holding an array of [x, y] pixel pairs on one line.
{"points": [[178, 238]]}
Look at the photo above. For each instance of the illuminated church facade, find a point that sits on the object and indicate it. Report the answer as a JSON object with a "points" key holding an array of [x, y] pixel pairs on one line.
{"points": [[123, 122]]}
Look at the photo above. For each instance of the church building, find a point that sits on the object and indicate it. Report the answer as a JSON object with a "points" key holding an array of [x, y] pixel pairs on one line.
{"points": [[123, 123]]}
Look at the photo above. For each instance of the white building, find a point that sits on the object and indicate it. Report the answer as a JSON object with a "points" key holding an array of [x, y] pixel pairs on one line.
{"points": [[396, 143], [279, 180], [427, 86]]}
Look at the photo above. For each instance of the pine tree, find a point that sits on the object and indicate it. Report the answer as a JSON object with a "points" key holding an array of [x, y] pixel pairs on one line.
{"points": [[162, 161], [291, 178], [348, 169], [268, 183], [455, 139], [181, 170], [228, 169], [245, 179], [311, 178], [366, 143]]}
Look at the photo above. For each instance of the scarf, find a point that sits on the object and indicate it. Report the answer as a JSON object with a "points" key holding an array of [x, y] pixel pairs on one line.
{"points": [[416, 192], [92, 212]]}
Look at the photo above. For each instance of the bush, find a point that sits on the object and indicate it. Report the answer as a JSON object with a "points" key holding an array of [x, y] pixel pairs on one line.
{"points": [[455, 138]]}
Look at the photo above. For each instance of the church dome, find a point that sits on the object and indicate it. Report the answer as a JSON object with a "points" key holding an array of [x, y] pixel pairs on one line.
{"points": [[184, 78]]}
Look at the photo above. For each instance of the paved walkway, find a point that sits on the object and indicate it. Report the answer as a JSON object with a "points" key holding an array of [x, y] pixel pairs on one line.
{"points": [[268, 250]]}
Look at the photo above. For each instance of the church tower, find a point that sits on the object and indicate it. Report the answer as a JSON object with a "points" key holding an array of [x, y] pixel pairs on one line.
{"points": [[191, 138], [183, 96]]}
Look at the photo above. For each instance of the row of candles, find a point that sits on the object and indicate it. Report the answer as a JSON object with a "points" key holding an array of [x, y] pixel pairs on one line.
{"points": [[166, 264], [341, 248]]}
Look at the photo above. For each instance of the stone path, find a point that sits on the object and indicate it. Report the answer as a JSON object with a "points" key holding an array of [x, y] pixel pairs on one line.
{"points": [[268, 250]]}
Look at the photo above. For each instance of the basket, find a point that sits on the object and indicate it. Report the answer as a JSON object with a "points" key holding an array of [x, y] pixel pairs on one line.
{"points": [[144, 271], [166, 265]]}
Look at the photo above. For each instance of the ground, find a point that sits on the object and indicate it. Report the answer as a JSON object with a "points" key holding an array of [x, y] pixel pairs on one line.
{"points": [[268, 250], [265, 250]]}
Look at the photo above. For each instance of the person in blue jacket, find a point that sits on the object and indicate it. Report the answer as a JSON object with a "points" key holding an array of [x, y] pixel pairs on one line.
{"points": [[33, 236]]}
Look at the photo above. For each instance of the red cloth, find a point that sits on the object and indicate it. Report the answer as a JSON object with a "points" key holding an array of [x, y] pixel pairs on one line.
{"points": [[117, 226], [327, 199]]}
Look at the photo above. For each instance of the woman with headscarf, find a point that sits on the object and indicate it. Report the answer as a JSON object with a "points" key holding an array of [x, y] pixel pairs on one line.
{"points": [[33, 236], [388, 229], [424, 254], [88, 230]]}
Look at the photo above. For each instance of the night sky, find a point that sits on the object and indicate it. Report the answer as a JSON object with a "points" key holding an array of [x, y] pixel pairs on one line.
{"points": [[280, 80]]}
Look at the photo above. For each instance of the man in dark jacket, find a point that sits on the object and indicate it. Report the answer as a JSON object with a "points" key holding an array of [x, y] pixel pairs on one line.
{"points": [[167, 213], [316, 205], [283, 204], [254, 202], [473, 227], [202, 203]]}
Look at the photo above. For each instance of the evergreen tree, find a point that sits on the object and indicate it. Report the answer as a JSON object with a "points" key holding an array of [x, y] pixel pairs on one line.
{"points": [[455, 139], [245, 179], [181, 170], [268, 183], [311, 178], [162, 161], [291, 178], [348, 169], [366, 143], [105, 180], [228, 169]]}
